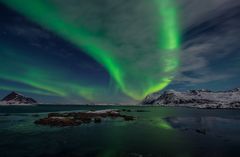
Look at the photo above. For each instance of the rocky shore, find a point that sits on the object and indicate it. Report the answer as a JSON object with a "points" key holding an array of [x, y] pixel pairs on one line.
{"points": [[78, 118]]}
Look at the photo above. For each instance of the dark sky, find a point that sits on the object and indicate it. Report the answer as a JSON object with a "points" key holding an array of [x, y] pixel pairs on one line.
{"points": [[39, 62]]}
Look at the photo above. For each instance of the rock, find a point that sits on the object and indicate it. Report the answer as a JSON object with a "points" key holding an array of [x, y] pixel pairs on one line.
{"points": [[77, 118], [195, 98], [97, 120], [128, 118], [58, 115], [58, 121], [35, 115], [85, 119], [201, 131], [141, 111], [16, 98], [126, 110]]}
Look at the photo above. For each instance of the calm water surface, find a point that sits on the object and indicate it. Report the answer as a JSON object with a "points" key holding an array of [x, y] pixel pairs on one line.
{"points": [[158, 132]]}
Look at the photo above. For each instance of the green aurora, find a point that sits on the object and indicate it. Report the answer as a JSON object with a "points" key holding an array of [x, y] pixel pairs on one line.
{"points": [[158, 59], [37, 80]]}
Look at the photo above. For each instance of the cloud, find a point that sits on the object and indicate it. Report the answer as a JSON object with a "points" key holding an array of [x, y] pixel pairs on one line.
{"points": [[194, 12], [27, 31], [210, 34], [209, 47]]}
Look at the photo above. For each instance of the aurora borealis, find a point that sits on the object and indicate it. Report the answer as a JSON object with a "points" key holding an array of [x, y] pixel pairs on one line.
{"points": [[108, 51], [164, 46], [119, 78]]}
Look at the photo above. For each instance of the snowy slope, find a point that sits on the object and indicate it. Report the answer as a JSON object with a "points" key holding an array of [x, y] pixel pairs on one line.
{"points": [[196, 98], [16, 98]]}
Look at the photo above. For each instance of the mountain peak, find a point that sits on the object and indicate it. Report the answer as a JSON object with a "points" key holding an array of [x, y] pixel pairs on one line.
{"points": [[17, 98]]}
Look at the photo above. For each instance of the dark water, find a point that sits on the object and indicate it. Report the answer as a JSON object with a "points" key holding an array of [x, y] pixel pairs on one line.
{"points": [[159, 132]]}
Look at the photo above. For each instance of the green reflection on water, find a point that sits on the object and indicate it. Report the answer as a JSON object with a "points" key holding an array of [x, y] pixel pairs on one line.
{"points": [[163, 124]]}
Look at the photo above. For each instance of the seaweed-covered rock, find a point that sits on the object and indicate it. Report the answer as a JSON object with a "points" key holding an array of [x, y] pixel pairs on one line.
{"points": [[128, 118], [58, 121], [97, 120], [77, 118]]}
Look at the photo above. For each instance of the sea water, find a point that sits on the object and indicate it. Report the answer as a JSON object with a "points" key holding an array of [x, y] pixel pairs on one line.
{"points": [[156, 132]]}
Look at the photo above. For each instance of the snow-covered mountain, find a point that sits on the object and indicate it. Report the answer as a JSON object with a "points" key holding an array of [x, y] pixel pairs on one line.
{"points": [[196, 98], [16, 98]]}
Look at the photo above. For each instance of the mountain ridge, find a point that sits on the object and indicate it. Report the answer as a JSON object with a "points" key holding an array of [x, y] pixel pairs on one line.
{"points": [[195, 98]]}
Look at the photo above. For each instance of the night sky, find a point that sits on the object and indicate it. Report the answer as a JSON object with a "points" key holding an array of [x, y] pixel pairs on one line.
{"points": [[117, 51]]}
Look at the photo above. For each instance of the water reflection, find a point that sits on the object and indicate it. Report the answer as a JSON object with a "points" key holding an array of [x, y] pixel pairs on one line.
{"points": [[160, 132]]}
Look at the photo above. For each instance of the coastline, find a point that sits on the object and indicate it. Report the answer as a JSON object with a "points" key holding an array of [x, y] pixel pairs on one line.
{"points": [[111, 105]]}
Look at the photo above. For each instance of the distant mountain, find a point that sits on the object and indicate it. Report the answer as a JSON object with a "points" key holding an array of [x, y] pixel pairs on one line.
{"points": [[16, 98], [196, 98]]}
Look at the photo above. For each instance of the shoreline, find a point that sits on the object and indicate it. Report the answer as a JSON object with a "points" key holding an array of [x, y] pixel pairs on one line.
{"points": [[105, 105]]}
